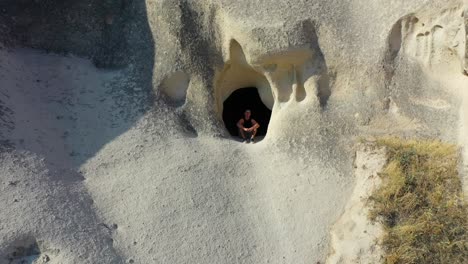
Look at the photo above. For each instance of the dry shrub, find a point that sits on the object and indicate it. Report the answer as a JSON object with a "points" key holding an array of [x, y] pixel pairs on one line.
{"points": [[421, 204]]}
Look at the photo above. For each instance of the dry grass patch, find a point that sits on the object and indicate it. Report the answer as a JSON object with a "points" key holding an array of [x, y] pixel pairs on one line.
{"points": [[421, 204]]}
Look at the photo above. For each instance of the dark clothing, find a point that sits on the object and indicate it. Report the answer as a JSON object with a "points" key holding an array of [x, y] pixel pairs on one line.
{"points": [[247, 123], [247, 134]]}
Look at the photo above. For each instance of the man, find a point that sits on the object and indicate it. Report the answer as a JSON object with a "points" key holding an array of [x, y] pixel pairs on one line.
{"points": [[247, 127]]}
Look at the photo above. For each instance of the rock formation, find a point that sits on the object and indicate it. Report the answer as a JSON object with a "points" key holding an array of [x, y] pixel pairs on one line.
{"points": [[113, 147]]}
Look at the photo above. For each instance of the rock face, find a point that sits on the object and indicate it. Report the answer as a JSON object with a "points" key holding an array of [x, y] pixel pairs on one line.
{"points": [[132, 130], [354, 238]]}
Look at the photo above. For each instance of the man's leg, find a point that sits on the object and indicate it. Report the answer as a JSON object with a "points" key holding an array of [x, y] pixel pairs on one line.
{"points": [[242, 134], [253, 135], [248, 135]]}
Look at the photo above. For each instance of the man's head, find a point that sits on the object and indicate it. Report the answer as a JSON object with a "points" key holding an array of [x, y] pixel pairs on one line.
{"points": [[247, 114]]}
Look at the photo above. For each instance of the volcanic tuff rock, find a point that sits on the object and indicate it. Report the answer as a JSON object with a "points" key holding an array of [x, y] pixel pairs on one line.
{"points": [[111, 116]]}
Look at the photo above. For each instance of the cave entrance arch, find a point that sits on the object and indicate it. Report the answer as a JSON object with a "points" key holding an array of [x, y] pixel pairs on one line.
{"points": [[240, 100]]}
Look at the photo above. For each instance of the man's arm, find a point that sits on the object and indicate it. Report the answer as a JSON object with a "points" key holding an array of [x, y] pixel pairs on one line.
{"points": [[240, 124], [255, 125]]}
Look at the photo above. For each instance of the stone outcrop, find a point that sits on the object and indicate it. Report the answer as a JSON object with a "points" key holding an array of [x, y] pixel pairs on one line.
{"points": [[466, 39], [134, 124]]}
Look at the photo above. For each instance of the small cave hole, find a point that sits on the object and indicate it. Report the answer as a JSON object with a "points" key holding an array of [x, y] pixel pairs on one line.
{"points": [[29, 252], [240, 100], [175, 88]]}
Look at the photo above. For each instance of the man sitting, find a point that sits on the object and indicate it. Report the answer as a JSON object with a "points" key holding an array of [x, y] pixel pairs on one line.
{"points": [[247, 127]]}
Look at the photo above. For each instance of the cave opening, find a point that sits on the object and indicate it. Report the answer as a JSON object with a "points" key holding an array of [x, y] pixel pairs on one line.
{"points": [[240, 100]]}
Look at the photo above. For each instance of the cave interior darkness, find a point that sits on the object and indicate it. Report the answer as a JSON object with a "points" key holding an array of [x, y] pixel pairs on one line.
{"points": [[240, 100]]}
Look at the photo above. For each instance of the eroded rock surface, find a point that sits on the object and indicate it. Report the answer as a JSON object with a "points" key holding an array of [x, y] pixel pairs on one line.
{"points": [[111, 114]]}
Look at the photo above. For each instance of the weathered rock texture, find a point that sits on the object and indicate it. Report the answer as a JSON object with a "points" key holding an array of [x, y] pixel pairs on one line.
{"points": [[121, 155], [354, 238]]}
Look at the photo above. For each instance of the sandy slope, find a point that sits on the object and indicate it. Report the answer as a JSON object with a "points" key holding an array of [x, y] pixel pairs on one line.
{"points": [[51, 102], [90, 185], [209, 200], [354, 238], [94, 179]]}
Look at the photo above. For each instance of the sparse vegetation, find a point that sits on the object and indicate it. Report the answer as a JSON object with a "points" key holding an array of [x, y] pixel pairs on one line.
{"points": [[421, 204]]}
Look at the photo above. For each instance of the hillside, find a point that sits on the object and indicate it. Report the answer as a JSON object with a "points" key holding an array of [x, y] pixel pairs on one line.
{"points": [[116, 123]]}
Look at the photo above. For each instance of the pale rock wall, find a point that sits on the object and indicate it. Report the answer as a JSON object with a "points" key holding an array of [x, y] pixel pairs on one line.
{"points": [[354, 238], [150, 143], [297, 60]]}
